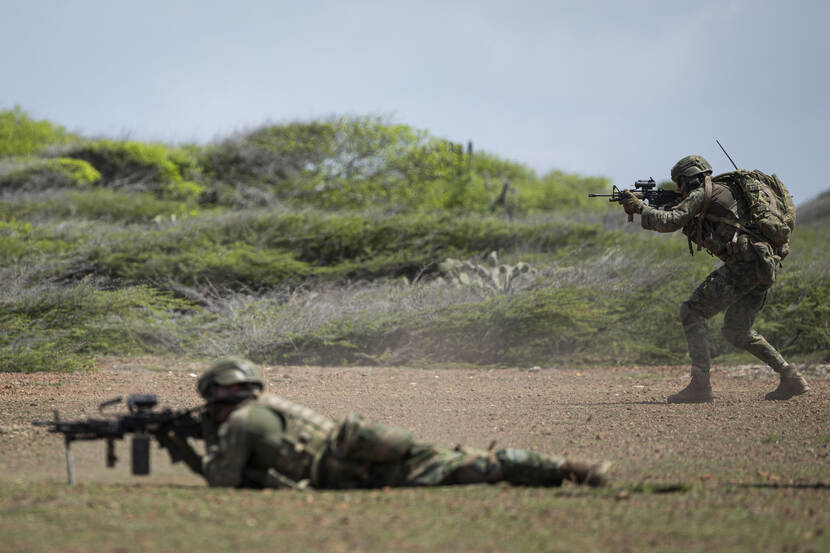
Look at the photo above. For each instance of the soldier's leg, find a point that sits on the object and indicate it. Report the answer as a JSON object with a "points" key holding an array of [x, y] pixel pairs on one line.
{"points": [[436, 466], [712, 296], [737, 328], [738, 331], [528, 468], [432, 465]]}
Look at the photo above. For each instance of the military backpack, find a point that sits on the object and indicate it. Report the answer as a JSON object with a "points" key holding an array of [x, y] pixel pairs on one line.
{"points": [[770, 207]]}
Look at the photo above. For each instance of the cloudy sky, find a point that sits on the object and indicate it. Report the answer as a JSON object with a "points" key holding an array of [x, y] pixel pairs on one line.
{"points": [[597, 87]]}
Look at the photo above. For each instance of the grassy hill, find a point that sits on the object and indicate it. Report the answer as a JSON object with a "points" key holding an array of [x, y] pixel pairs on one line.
{"points": [[346, 240]]}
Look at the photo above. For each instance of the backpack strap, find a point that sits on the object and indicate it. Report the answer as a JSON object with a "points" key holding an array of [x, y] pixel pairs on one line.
{"points": [[707, 200], [736, 224]]}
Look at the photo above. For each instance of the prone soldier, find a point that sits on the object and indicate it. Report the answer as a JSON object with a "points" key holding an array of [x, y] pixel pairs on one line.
{"points": [[260, 440]]}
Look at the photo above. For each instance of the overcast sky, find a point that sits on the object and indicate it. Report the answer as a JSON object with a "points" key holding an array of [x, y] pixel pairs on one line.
{"points": [[610, 88]]}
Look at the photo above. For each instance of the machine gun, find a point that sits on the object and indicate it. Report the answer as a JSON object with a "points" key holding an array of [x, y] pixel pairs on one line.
{"points": [[170, 428], [647, 191]]}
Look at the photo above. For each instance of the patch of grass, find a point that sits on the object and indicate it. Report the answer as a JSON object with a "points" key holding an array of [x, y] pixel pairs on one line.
{"points": [[21, 240], [101, 204], [61, 328], [771, 439], [265, 249], [436, 324], [46, 517]]}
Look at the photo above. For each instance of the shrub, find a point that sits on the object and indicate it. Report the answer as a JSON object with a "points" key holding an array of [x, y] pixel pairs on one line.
{"points": [[21, 240], [155, 167], [796, 318], [61, 328], [51, 173], [558, 191], [21, 135], [264, 249], [360, 162], [103, 204]]}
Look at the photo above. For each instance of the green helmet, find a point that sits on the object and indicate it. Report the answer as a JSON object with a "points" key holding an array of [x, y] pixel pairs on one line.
{"points": [[228, 371], [690, 166]]}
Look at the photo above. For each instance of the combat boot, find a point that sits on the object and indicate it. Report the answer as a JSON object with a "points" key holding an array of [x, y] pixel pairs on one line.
{"points": [[697, 391], [585, 472], [528, 468], [791, 384]]}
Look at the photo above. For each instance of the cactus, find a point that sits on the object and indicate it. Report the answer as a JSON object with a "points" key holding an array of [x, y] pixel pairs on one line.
{"points": [[501, 278]]}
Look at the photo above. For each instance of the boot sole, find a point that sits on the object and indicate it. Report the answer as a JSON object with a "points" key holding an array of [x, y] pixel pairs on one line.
{"points": [[679, 401], [785, 398]]}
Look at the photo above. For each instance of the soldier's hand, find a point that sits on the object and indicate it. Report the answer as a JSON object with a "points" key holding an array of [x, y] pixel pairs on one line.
{"points": [[631, 203]]}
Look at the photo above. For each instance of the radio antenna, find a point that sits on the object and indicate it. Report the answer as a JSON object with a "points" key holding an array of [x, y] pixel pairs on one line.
{"points": [[727, 154]]}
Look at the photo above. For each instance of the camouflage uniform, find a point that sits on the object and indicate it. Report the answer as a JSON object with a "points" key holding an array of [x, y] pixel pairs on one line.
{"points": [[712, 215], [740, 285], [268, 441]]}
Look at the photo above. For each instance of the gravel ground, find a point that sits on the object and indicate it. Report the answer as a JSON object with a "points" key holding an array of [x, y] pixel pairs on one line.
{"points": [[615, 413]]}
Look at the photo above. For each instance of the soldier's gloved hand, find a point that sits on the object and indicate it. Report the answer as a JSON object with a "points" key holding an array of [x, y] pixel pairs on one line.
{"points": [[631, 203]]}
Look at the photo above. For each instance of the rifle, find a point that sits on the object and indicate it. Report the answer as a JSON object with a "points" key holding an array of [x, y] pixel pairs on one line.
{"points": [[647, 191], [170, 428]]}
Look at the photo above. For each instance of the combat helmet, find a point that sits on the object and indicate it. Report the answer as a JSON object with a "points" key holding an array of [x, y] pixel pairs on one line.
{"points": [[228, 371], [690, 166]]}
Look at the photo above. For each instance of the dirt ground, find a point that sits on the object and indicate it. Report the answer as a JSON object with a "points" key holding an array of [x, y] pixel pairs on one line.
{"points": [[618, 414]]}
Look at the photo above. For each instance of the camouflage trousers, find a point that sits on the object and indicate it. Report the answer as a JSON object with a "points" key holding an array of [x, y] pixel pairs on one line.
{"points": [[431, 465], [372, 455], [737, 288]]}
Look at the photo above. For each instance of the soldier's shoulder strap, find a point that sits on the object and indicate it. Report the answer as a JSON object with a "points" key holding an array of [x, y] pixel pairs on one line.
{"points": [[290, 409], [707, 201]]}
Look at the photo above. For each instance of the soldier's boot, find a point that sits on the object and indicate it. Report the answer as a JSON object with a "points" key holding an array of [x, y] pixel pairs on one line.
{"points": [[528, 468], [791, 384], [699, 390], [590, 473]]}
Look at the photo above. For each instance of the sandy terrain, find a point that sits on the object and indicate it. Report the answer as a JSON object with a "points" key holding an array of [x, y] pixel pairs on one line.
{"points": [[616, 413]]}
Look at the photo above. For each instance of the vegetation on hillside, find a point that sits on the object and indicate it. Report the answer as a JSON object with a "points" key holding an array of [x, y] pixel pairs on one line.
{"points": [[20, 135], [332, 242]]}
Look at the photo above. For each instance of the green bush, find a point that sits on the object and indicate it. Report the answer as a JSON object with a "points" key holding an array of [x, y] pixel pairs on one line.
{"points": [[22, 136], [796, 318], [156, 167], [164, 256], [264, 249], [21, 240], [558, 191], [50, 173], [355, 163], [104, 204]]}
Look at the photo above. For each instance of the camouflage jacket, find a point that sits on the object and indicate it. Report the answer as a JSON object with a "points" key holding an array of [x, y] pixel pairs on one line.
{"points": [[720, 239], [266, 442]]}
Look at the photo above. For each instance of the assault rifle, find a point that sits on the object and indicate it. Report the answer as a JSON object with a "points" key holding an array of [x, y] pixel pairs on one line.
{"points": [[647, 191], [170, 428]]}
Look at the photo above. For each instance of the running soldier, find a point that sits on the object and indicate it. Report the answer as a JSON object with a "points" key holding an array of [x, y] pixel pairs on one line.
{"points": [[738, 218]]}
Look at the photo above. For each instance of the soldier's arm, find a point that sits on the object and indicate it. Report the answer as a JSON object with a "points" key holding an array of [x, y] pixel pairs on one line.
{"points": [[675, 218], [246, 434], [225, 459]]}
